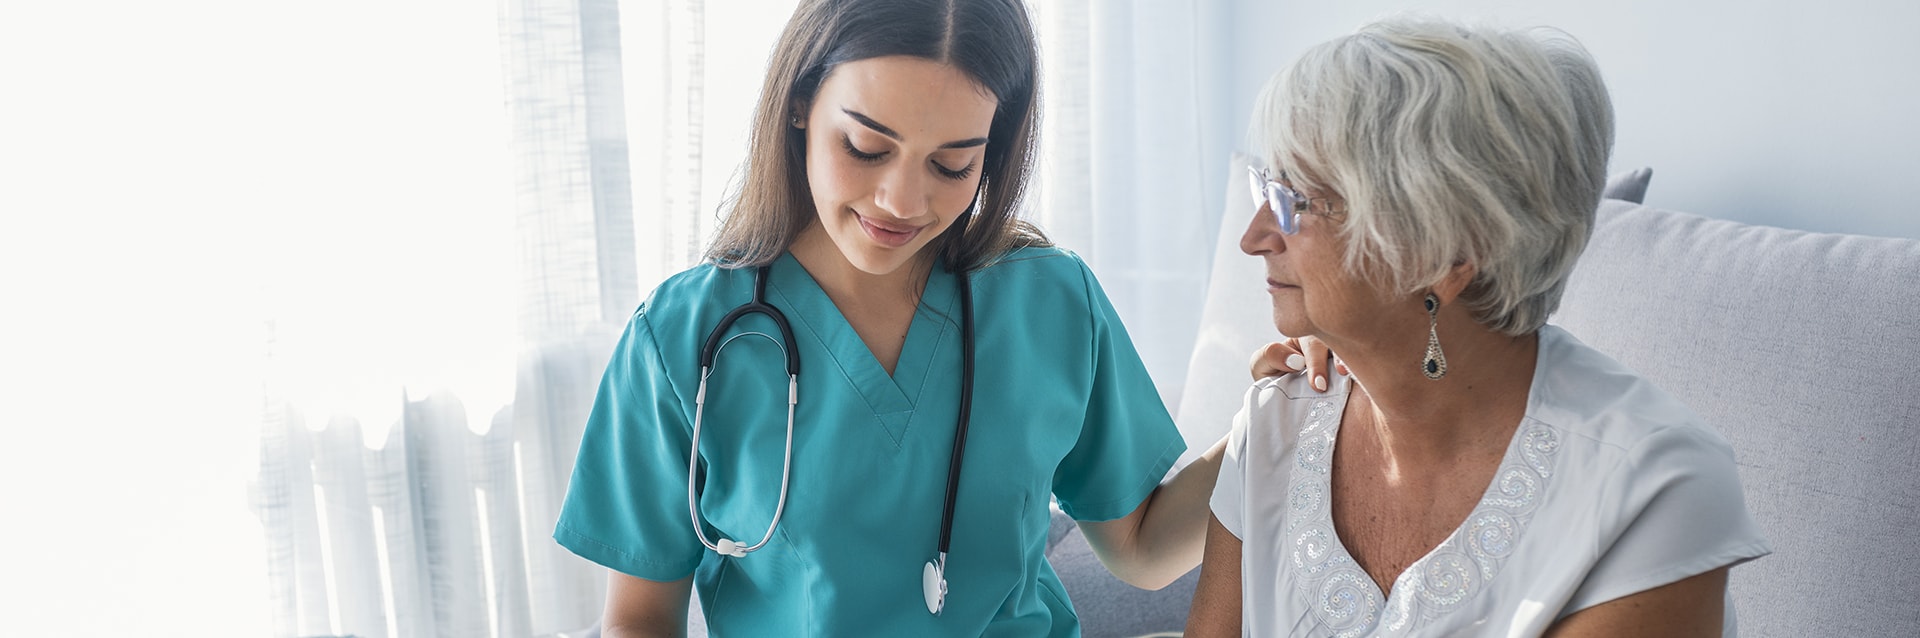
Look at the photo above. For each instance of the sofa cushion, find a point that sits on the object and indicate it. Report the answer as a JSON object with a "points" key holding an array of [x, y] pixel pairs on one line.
{"points": [[1235, 319], [1628, 186], [1798, 347], [1107, 606]]}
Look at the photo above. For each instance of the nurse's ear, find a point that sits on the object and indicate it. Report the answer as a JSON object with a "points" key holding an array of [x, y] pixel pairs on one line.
{"points": [[797, 116]]}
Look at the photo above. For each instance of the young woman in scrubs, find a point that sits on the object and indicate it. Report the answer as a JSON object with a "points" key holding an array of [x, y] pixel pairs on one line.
{"points": [[892, 143]]}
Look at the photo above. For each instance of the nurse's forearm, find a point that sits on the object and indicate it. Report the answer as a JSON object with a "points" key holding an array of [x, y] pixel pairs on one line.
{"points": [[624, 631], [1173, 536], [641, 608], [1165, 537]]}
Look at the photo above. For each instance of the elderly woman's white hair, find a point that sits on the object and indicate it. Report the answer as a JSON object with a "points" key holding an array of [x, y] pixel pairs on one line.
{"points": [[1449, 144]]}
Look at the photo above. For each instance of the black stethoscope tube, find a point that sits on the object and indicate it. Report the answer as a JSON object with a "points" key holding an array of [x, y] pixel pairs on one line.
{"points": [[966, 405], [759, 305]]}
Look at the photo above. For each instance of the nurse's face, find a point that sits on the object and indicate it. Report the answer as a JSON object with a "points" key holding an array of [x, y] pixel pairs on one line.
{"points": [[894, 147]]}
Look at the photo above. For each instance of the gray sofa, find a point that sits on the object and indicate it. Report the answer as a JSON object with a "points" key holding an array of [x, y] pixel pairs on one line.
{"points": [[1803, 349]]}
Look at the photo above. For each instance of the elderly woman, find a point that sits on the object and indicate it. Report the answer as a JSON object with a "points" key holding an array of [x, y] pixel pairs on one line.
{"points": [[1476, 472]]}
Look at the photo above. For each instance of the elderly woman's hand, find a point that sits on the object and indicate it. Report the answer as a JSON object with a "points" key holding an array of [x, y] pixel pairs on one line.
{"points": [[1294, 355]]}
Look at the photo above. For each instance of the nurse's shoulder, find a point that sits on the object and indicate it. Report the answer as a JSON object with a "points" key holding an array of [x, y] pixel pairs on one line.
{"points": [[673, 322], [701, 290], [1044, 278]]}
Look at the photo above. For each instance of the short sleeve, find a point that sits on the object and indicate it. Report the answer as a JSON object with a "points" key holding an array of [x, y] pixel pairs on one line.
{"points": [[1127, 442], [1229, 491], [626, 506], [1681, 513]]}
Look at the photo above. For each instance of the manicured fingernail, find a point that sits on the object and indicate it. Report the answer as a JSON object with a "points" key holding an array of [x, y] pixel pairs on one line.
{"points": [[1296, 362], [1320, 383]]}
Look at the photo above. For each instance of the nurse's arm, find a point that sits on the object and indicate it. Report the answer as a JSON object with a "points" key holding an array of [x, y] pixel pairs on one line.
{"points": [[1216, 599], [1164, 537], [637, 607]]}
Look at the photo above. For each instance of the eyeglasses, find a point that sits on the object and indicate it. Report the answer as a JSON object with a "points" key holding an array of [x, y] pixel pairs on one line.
{"points": [[1288, 204]]}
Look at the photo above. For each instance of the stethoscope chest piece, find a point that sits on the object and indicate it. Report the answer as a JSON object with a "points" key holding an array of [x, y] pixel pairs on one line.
{"points": [[933, 584]]}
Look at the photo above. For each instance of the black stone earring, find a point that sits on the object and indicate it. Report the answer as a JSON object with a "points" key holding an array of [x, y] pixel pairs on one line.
{"points": [[1435, 365]]}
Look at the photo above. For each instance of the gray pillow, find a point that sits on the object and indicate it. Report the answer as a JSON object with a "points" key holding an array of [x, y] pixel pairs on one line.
{"points": [[1799, 348], [1629, 186]]}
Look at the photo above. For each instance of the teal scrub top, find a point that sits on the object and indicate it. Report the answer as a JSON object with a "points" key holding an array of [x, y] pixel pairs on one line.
{"points": [[1062, 406]]}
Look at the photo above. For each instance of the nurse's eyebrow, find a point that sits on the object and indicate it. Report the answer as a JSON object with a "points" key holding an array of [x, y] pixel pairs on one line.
{"points": [[883, 130]]}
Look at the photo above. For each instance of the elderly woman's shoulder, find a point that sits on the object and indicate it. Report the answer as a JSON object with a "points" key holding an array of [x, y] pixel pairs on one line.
{"points": [[1288, 404], [1295, 387], [1587, 394]]}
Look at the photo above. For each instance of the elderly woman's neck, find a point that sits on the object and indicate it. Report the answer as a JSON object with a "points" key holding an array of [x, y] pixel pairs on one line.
{"points": [[1479, 402]]}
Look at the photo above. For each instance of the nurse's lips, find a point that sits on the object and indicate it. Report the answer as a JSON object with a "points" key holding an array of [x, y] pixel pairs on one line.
{"points": [[886, 234]]}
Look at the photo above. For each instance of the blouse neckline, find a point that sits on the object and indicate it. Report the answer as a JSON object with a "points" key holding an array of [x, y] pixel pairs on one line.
{"points": [[1343, 597]]}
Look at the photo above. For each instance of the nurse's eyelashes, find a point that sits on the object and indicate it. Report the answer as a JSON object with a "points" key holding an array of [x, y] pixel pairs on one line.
{"points": [[856, 153], [955, 174]]}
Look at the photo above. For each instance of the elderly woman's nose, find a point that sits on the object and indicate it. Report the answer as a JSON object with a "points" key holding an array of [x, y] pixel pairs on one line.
{"points": [[1263, 233]]}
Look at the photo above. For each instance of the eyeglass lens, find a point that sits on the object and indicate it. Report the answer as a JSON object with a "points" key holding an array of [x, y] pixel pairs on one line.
{"points": [[1277, 198]]}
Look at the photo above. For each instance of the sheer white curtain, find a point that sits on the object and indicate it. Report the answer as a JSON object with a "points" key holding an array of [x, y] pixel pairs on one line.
{"points": [[1135, 141], [215, 211], [440, 524], [433, 516]]}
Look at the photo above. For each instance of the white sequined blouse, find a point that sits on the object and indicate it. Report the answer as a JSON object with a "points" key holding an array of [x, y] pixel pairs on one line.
{"points": [[1609, 487]]}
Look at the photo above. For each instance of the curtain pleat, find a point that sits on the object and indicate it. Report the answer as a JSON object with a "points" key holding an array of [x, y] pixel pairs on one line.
{"points": [[439, 530], [1134, 132]]}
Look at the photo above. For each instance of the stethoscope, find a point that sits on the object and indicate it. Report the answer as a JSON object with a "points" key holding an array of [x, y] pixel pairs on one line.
{"points": [[933, 580]]}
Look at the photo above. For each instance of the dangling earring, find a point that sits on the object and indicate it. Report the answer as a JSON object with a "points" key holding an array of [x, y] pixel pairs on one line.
{"points": [[1435, 364]]}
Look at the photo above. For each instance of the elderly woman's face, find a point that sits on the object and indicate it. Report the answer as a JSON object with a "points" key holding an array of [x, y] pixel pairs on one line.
{"points": [[1313, 294]]}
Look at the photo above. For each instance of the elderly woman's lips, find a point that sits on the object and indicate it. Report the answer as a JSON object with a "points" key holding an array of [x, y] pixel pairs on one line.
{"points": [[1276, 285]]}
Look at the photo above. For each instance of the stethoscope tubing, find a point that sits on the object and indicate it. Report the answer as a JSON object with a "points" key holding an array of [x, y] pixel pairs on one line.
{"points": [[966, 417], [758, 305], [708, 353], [726, 546]]}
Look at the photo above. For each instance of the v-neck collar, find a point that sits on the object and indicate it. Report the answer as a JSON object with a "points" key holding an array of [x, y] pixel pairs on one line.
{"points": [[1450, 573], [891, 397]]}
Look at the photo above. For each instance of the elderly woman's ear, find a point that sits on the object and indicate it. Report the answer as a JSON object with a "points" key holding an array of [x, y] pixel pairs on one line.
{"points": [[1455, 281]]}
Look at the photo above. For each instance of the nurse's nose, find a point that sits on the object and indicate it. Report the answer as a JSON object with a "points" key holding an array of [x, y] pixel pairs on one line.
{"points": [[903, 191]]}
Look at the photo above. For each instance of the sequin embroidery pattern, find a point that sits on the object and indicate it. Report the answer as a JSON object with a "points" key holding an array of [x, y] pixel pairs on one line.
{"points": [[1345, 601], [1344, 598]]}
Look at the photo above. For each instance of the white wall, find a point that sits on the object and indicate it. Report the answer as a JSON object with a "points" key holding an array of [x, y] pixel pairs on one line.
{"points": [[1802, 115]]}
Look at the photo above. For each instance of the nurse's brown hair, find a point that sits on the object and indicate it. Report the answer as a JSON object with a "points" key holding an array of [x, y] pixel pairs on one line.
{"points": [[990, 41]]}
